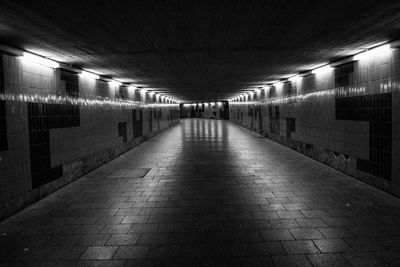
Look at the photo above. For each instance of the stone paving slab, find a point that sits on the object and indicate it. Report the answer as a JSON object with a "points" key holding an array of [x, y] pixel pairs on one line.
{"points": [[211, 194]]}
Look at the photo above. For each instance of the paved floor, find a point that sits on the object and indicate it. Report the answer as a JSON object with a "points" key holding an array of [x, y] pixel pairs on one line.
{"points": [[216, 195]]}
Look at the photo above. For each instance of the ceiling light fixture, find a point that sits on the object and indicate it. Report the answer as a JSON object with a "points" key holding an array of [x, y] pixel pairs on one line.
{"points": [[115, 83], [40, 60], [89, 75], [294, 78], [374, 51], [321, 69]]}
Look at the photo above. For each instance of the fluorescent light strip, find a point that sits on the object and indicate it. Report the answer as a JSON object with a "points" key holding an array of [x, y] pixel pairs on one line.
{"points": [[374, 51], [89, 75], [294, 78], [322, 69], [40, 60], [115, 83]]}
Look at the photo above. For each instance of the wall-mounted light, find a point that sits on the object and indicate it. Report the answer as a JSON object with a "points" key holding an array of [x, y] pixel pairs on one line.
{"points": [[278, 83], [143, 90], [40, 60], [89, 75], [372, 52], [131, 87], [322, 69]]}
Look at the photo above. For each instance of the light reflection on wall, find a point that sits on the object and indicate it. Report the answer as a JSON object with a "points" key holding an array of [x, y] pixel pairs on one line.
{"points": [[81, 101]]}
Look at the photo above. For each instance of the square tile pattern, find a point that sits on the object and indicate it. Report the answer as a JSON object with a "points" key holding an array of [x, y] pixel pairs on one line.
{"points": [[212, 194]]}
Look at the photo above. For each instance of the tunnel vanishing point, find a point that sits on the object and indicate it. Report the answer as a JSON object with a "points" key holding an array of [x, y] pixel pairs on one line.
{"points": [[199, 133]]}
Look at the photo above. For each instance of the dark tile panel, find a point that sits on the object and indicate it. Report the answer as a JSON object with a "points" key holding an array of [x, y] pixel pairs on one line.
{"points": [[150, 121], [251, 111], [292, 89], [309, 84], [71, 80], [137, 95], [262, 95], [274, 118], [122, 131], [3, 120], [290, 127], [41, 118], [342, 75], [377, 110], [260, 118], [272, 92], [122, 93], [137, 119], [3, 127]]}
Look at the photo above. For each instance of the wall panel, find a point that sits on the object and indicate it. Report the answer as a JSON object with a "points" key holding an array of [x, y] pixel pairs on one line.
{"points": [[347, 118], [56, 125]]}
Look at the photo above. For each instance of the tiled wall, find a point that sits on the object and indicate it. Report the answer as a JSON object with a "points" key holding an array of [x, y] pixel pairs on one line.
{"points": [[216, 110], [347, 117], [56, 125]]}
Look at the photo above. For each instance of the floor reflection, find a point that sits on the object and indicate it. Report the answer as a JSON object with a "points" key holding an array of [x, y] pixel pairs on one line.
{"points": [[216, 195]]}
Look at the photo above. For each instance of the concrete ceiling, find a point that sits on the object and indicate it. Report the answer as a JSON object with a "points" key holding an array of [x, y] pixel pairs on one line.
{"points": [[198, 50]]}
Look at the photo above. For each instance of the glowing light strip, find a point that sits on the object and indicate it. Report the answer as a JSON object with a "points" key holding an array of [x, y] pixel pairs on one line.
{"points": [[89, 75], [321, 69], [115, 83], [40, 60], [294, 78], [371, 52]]}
